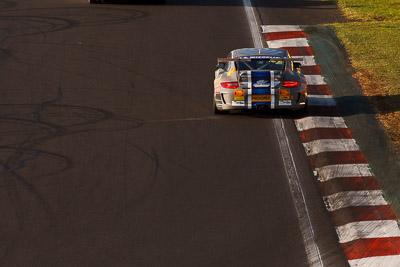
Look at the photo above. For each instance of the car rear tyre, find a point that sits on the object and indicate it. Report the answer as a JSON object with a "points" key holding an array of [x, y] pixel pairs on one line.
{"points": [[304, 110], [219, 112]]}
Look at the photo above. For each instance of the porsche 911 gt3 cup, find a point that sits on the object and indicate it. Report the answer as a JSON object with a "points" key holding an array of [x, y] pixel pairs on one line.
{"points": [[259, 78]]}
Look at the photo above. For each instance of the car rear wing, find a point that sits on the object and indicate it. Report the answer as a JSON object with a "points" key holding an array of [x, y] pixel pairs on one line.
{"points": [[250, 58]]}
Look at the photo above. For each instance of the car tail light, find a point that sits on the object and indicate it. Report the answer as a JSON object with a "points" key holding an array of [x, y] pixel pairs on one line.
{"points": [[230, 85], [290, 84]]}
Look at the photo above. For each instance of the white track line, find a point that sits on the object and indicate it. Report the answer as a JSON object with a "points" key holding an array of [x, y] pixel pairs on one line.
{"points": [[367, 229], [251, 18], [378, 261], [312, 251], [354, 198], [330, 145], [319, 122], [343, 170]]}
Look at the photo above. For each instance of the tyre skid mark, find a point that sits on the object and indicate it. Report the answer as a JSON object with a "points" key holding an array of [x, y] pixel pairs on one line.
{"points": [[26, 126], [38, 22]]}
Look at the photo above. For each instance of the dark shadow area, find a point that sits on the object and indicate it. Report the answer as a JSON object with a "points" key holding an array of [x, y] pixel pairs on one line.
{"points": [[358, 104], [268, 114], [306, 4], [7, 4], [135, 2], [346, 106]]}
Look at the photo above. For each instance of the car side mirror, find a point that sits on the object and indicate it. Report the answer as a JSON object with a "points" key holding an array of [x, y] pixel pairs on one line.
{"points": [[220, 65], [296, 65]]}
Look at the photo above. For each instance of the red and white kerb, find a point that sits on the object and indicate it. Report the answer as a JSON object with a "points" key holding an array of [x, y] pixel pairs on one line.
{"points": [[365, 223]]}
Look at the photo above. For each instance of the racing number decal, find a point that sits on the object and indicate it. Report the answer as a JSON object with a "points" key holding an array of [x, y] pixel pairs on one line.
{"points": [[284, 94], [239, 95]]}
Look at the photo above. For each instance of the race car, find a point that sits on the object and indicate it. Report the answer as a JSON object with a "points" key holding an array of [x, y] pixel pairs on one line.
{"points": [[259, 79]]}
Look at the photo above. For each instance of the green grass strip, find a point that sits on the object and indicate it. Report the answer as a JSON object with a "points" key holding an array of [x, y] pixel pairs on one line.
{"points": [[372, 41], [374, 47], [367, 10]]}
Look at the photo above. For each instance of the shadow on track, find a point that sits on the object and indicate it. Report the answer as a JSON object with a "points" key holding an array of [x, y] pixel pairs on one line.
{"points": [[346, 106], [358, 104], [306, 4]]}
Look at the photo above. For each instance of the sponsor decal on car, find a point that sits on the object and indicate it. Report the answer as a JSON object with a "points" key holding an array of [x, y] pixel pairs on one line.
{"points": [[231, 71], [261, 83], [285, 102], [239, 95], [284, 94], [261, 79], [238, 103], [260, 98]]}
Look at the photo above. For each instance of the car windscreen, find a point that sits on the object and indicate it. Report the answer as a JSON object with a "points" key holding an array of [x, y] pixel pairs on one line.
{"points": [[260, 64]]}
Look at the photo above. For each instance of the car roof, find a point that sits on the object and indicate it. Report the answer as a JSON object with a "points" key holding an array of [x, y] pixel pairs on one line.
{"points": [[273, 52]]}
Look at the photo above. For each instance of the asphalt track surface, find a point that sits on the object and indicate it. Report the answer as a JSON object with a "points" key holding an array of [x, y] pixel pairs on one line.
{"points": [[110, 152]]}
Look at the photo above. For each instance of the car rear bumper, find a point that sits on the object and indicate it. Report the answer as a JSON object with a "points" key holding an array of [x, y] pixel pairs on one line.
{"points": [[227, 102]]}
